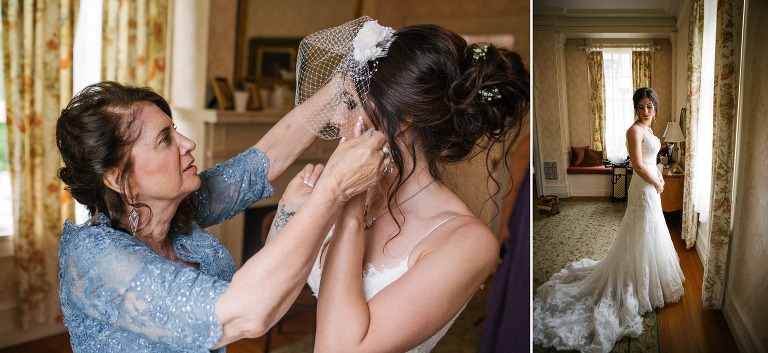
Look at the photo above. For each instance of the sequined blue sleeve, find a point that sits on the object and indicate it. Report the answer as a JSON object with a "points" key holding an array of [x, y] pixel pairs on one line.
{"points": [[230, 187], [114, 279]]}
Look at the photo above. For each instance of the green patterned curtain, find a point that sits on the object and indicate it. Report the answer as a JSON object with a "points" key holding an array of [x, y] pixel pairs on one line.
{"points": [[723, 151], [134, 42], [37, 43], [597, 98], [641, 68], [695, 44]]}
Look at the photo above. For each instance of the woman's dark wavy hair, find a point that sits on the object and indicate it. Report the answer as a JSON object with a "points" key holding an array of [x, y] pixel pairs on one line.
{"points": [[647, 92], [430, 82], [95, 134]]}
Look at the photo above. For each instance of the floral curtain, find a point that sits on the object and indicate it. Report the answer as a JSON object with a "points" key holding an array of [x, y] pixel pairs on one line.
{"points": [[725, 108], [597, 98], [641, 68], [37, 42], [134, 42], [695, 43]]}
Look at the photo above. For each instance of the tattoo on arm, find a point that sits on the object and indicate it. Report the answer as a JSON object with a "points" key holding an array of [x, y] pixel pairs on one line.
{"points": [[281, 219]]}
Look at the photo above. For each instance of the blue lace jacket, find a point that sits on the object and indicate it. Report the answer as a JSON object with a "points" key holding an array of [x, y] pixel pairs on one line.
{"points": [[119, 296]]}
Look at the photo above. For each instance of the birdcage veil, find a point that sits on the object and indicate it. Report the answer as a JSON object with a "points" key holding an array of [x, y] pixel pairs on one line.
{"points": [[333, 69]]}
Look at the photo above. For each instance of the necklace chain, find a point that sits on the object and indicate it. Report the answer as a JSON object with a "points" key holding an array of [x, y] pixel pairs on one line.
{"points": [[643, 125], [369, 224]]}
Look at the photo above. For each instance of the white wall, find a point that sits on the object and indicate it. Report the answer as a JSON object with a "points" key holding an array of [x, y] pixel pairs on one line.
{"points": [[747, 281]]}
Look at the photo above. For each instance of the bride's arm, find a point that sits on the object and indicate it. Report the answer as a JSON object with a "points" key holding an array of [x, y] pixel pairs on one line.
{"points": [[648, 173], [457, 258]]}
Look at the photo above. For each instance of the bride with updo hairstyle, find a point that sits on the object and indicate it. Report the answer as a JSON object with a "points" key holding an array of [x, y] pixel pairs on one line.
{"points": [[404, 259]]}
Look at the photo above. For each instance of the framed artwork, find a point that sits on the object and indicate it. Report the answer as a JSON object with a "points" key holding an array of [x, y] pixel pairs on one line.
{"points": [[223, 92], [272, 58], [254, 100]]}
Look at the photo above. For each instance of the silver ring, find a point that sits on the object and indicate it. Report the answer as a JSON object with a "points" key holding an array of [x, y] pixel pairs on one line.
{"points": [[385, 149]]}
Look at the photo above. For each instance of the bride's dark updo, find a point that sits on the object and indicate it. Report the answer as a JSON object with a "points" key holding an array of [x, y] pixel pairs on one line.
{"points": [[650, 93], [449, 95]]}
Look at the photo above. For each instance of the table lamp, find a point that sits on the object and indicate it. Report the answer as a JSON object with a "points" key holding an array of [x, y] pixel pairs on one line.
{"points": [[673, 135]]}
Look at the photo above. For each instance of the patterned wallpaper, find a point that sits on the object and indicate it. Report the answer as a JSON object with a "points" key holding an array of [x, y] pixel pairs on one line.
{"points": [[465, 17], [577, 81], [223, 16], [295, 18], [661, 81], [546, 98], [747, 285]]}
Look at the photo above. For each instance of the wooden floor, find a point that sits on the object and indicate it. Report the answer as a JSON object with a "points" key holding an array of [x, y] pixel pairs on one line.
{"points": [[686, 326]]}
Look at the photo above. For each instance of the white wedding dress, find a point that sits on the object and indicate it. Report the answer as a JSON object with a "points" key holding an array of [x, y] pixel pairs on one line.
{"points": [[590, 305], [375, 279]]}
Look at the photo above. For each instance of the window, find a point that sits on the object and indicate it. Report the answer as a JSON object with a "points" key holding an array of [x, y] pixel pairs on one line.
{"points": [[619, 112], [86, 60], [6, 207]]}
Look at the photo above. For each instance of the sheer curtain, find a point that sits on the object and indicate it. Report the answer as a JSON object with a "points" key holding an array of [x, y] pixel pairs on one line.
{"points": [[37, 40], [703, 171], [619, 113]]}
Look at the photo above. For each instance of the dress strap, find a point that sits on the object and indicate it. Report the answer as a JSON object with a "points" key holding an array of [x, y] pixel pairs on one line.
{"points": [[642, 131], [443, 222]]}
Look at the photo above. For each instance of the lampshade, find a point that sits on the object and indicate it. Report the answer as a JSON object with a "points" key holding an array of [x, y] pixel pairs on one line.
{"points": [[673, 133]]}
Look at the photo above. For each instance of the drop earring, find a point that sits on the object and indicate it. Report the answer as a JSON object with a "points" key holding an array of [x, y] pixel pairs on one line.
{"points": [[133, 218]]}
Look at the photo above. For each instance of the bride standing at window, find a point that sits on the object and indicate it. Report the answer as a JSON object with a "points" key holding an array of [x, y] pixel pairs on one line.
{"points": [[589, 305]]}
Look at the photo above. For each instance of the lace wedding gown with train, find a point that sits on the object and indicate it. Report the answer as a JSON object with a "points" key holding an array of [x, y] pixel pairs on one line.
{"points": [[589, 305]]}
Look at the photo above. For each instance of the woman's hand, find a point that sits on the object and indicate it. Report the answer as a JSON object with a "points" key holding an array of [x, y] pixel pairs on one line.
{"points": [[300, 187], [356, 165]]}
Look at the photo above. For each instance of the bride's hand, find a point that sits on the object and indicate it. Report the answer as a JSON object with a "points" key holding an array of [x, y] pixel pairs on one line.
{"points": [[660, 187]]}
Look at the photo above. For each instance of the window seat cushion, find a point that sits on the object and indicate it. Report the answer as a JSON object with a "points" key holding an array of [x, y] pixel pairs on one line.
{"points": [[600, 169]]}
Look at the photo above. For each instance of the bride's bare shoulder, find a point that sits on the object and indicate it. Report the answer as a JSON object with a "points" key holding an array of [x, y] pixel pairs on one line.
{"points": [[634, 129]]}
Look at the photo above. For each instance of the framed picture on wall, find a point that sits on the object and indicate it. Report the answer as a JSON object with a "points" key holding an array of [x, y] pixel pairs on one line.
{"points": [[272, 58], [254, 101], [223, 92]]}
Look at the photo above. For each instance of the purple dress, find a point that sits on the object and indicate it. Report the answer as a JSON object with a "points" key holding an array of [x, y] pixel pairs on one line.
{"points": [[506, 327]]}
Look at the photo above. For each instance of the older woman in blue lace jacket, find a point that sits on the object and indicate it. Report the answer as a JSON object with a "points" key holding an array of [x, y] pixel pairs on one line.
{"points": [[142, 275]]}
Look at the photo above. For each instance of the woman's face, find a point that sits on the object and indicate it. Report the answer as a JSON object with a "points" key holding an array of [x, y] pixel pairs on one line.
{"points": [[646, 111], [163, 166]]}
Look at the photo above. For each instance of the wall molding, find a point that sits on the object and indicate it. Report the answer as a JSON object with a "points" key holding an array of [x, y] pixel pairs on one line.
{"points": [[746, 339], [12, 338], [598, 185], [609, 27], [558, 190]]}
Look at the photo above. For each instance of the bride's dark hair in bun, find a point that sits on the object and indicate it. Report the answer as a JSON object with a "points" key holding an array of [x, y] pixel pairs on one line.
{"points": [[454, 99]]}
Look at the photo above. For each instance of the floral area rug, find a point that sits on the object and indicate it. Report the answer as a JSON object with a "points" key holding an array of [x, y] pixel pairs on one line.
{"points": [[583, 229]]}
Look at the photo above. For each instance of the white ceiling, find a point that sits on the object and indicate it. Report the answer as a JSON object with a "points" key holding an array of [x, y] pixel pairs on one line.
{"points": [[607, 8]]}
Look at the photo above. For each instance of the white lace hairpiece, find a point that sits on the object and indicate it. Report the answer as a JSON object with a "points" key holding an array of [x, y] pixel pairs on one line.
{"points": [[333, 69]]}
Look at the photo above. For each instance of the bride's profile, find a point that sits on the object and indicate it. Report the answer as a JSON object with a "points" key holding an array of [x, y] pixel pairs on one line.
{"points": [[589, 305]]}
